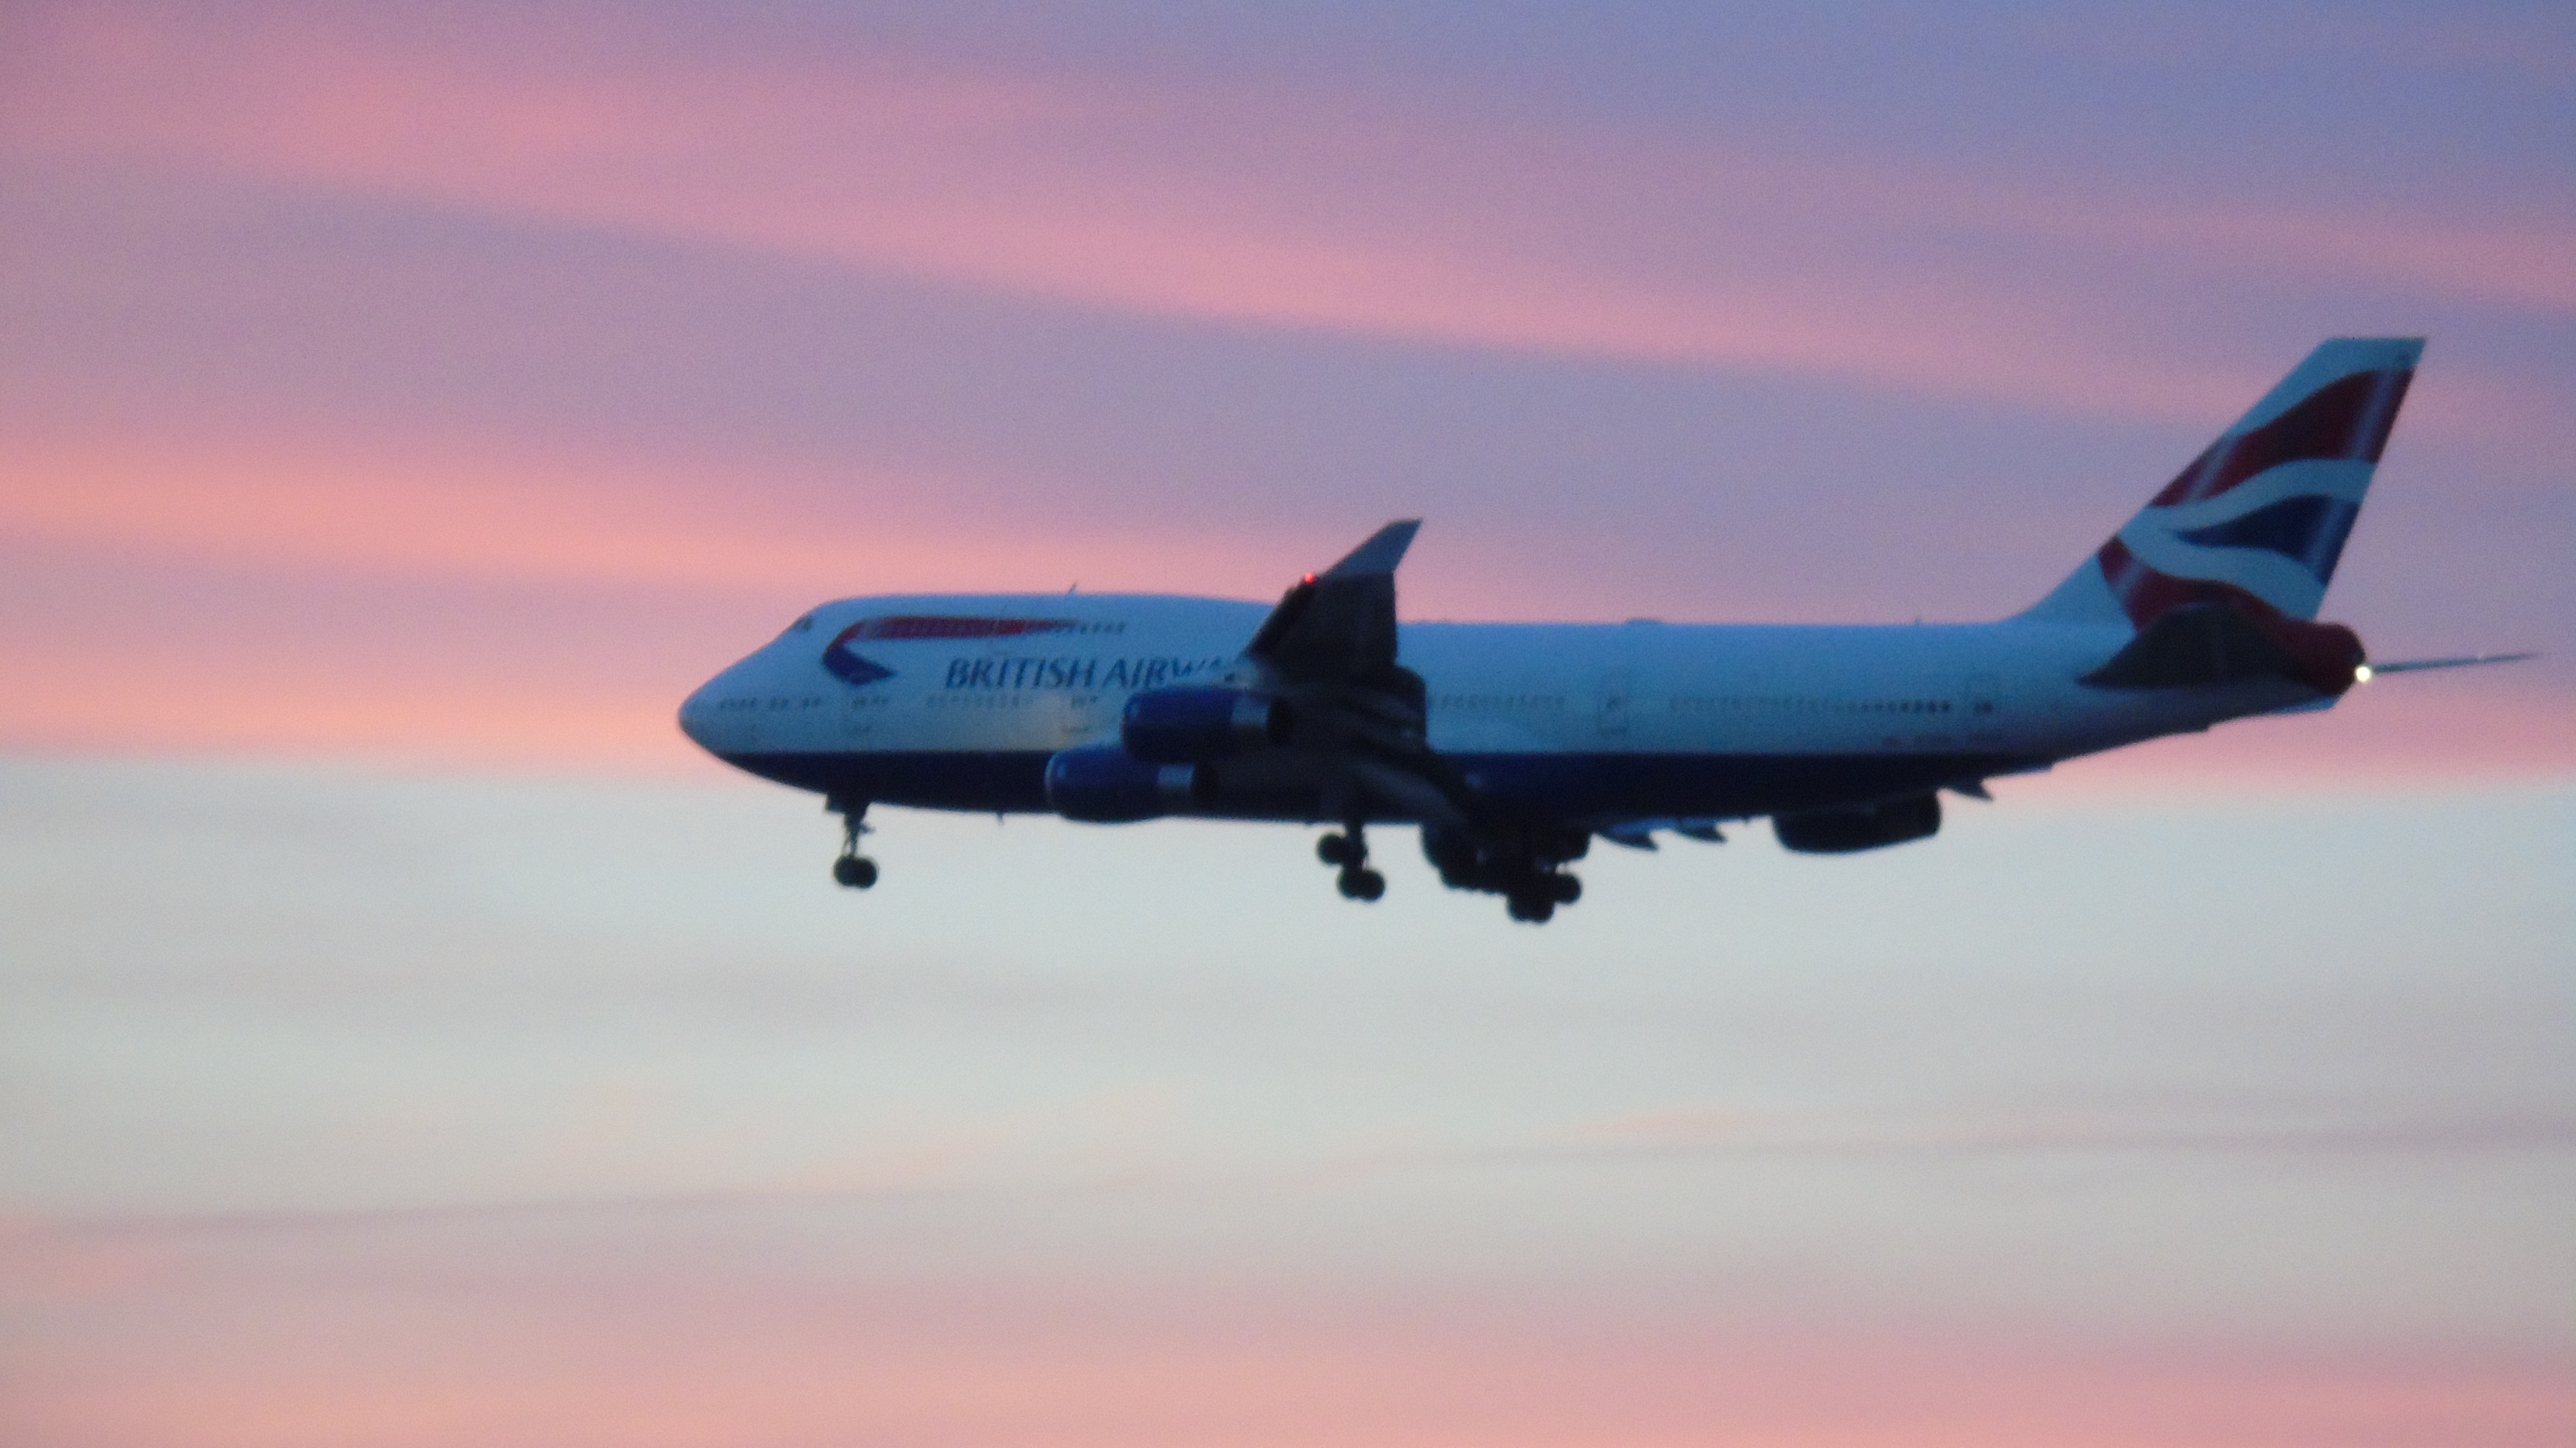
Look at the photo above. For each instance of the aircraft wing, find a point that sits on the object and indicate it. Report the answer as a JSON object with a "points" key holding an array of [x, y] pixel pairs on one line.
{"points": [[1361, 738], [1329, 649], [1338, 627]]}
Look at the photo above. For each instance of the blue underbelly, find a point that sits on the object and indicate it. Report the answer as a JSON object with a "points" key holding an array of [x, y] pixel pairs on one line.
{"points": [[1565, 786]]}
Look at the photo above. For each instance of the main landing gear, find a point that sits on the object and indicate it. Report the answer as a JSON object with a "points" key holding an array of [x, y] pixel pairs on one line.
{"points": [[1524, 864], [853, 869], [1349, 851], [1535, 897]]}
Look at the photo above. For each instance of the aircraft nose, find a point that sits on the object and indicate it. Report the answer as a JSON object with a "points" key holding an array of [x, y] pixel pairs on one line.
{"points": [[710, 725], [697, 715]]}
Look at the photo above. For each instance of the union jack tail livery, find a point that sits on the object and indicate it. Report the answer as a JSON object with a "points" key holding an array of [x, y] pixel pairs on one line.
{"points": [[2257, 521]]}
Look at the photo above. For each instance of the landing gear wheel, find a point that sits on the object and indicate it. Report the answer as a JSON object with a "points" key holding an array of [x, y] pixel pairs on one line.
{"points": [[854, 870], [1566, 888], [1348, 851], [1535, 909]]}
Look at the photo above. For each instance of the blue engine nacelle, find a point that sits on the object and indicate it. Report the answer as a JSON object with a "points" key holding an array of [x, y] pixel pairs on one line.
{"points": [[1193, 726], [1103, 784]]}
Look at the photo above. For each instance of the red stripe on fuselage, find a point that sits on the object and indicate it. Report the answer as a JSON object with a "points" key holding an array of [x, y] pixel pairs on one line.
{"points": [[945, 626]]}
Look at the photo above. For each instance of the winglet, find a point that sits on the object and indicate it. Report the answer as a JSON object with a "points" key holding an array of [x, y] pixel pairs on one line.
{"points": [[1384, 549]]}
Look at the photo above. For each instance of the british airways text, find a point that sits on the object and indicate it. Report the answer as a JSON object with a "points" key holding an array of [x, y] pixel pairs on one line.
{"points": [[1072, 672]]}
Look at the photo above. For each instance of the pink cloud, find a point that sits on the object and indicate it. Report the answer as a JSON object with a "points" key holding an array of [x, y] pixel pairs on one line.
{"points": [[2394, 731], [435, 1338], [707, 577], [458, 512], [1329, 212], [1166, 198], [701, 573]]}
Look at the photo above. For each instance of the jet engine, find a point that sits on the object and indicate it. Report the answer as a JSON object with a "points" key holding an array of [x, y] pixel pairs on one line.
{"points": [[1859, 827], [1103, 784], [1193, 726]]}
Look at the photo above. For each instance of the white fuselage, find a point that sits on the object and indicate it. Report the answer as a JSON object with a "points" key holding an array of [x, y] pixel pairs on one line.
{"points": [[1725, 720]]}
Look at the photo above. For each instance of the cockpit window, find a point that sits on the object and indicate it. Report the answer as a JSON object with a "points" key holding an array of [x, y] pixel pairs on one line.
{"points": [[802, 625]]}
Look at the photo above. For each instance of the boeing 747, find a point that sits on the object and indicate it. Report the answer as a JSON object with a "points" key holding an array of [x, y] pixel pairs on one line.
{"points": [[1513, 746]]}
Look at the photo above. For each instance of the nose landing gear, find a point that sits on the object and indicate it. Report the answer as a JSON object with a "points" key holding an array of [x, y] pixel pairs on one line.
{"points": [[852, 869], [1349, 850]]}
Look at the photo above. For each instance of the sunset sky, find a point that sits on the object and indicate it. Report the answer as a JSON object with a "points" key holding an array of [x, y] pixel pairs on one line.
{"points": [[406, 1038]]}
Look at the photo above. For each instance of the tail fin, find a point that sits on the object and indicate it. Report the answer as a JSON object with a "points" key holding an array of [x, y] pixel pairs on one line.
{"points": [[2260, 517]]}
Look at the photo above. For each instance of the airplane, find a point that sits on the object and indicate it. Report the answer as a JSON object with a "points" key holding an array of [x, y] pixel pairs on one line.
{"points": [[1512, 746]]}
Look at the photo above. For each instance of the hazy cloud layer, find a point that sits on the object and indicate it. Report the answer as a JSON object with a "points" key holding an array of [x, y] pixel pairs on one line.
{"points": [[360, 1107]]}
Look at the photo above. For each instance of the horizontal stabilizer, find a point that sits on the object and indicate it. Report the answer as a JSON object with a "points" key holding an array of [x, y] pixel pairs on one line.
{"points": [[2202, 644], [2408, 666]]}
